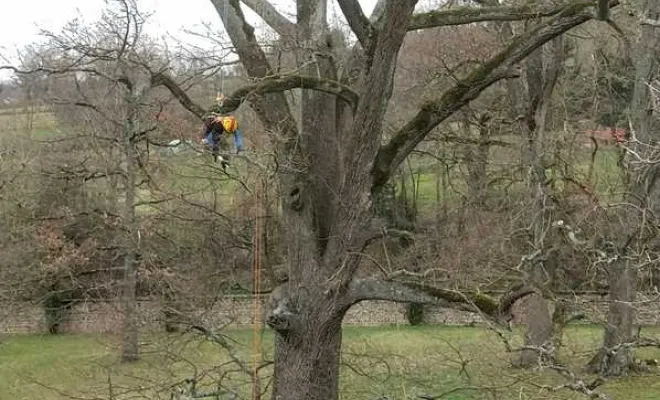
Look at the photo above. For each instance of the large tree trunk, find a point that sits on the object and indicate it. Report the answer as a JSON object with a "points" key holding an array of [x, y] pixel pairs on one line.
{"points": [[538, 334], [307, 361], [615, 357], [329, 209], [129, 285], [541, 77]]}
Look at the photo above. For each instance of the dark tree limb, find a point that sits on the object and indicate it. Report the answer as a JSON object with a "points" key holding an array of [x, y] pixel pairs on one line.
{"points": [[272, 17], [272, 109], [497, 68], [361, 144], [159, 78], [274, 84], [603, 10], [374, 289], [358, 21], [271, 84], [468, 15]]}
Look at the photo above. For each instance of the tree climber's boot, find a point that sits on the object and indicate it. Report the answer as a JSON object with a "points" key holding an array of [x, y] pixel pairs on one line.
{"points": [[223, 163]]}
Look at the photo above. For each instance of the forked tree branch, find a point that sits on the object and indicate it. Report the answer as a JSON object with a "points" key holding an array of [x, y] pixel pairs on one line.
{"points": [[378, 11], [274, 84], [497, 68], [375, 289], [159, 78], [272, 17], [272, 109], [358, 21], [468, 15]]}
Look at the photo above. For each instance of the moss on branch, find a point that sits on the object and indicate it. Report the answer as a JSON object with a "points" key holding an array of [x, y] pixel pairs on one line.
{"points": [[271, 84], [468, 15], [374, 289], [493, 70], [274, 84]]}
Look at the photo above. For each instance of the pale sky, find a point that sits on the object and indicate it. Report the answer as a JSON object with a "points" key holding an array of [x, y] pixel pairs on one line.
{"points": [[21, 22]]}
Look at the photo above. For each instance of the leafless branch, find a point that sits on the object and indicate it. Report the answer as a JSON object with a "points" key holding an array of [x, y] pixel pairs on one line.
{"points": [[274, 84], [358, 22], [468, 15], [159, 78], [273, 109], [575, 384], [272, 17], [373, 289], [497, 68]]}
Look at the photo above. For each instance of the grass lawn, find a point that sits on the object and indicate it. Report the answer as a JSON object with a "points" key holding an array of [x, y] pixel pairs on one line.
{"points": [[43, 124], [604, 179], [399, 362]]}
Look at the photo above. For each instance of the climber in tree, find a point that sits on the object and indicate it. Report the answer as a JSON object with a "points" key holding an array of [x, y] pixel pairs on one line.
{"points": [[217, 125], [212, 135], [229, 122]]}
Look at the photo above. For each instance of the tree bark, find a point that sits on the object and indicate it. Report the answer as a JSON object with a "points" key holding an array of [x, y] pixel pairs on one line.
{"points": [[615, 357], [130, 351], [307, 359], [541, 77], [537, 336]]}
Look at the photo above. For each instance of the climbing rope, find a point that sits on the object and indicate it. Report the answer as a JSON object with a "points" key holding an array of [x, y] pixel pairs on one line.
{"points": [[256, 279], [222, 68]]}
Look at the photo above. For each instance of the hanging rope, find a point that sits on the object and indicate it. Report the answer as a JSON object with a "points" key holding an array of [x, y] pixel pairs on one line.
{"points": [[222, 82], [222, 68], [256, 279]]}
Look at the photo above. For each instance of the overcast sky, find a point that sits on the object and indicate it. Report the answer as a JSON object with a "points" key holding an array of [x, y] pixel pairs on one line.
{"points": [[21, 22]]}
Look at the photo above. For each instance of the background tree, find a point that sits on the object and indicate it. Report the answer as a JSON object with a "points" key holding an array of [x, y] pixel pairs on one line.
{"points": [[616, 356]]}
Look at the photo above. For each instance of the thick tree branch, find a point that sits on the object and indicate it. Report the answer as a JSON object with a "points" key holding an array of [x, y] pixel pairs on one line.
{"points": [[468, 15], [358, 21], [378, 11], [603, 10], [272, 109], [374, 289], [363, 141], [273, 84], [159, 78], [276, 84], [497, 68], [272, 17]]}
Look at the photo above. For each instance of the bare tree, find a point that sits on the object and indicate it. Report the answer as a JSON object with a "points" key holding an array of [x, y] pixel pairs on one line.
{"points": [[109, 91], [332, 166], [626, 251], [541, 73]]}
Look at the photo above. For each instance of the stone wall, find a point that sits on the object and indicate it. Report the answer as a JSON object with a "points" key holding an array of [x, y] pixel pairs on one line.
{"points": [[105, 317]]}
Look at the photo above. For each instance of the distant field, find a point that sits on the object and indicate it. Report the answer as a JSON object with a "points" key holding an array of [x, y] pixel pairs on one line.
{"points": [[399, 362], [188, 172], [36, 125], [426, 177]]}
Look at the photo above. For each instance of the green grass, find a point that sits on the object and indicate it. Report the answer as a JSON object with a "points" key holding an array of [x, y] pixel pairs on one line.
{"points": [[43, 124], [399, 362], [605, 179], [199, 178]]}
